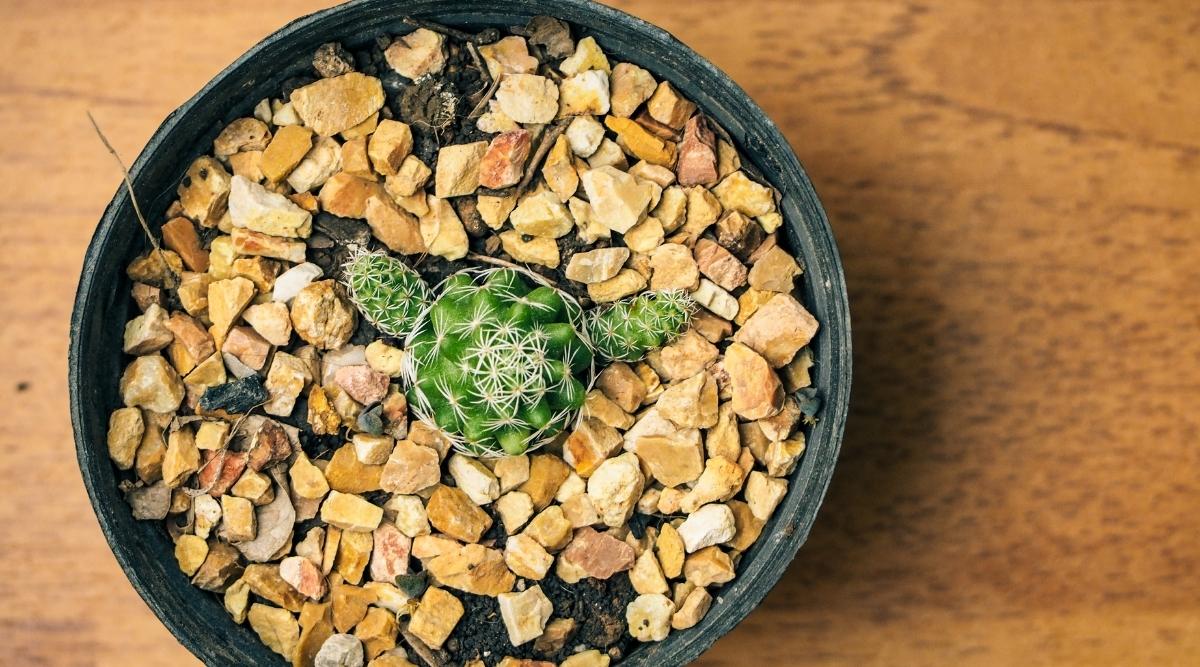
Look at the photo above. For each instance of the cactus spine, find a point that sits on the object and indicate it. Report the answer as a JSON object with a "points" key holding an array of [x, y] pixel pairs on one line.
{"points": [[387, 292], [628, 329], [498, 365]]}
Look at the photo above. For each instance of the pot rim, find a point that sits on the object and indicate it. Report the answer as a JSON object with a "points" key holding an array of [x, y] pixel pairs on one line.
{"points": [[781, 537]]}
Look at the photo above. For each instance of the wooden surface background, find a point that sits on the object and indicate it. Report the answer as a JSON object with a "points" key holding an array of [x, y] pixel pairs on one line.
{"points": [[1015, 188]]}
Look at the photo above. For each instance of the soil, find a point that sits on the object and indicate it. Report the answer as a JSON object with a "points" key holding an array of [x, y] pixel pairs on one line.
{"points": [[597, 606]]}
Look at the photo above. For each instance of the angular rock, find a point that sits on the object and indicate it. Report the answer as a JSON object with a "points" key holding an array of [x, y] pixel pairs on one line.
{"points": [[608, 154], [459, 168], [598, 555], [321, 162], [649, 617], [625, 283], [546, 474], [719, 265], [586, 93], [640, 143], [763, 494], [668, 107], [598, 406], [411, 177], [275, 627], [528, 98], [389, 554], [615, 487], [411, 468], [235, 397], [389, 145], [515, 509], [617, 200], [526, 558], [504, 162], [738, 193], [417, 54], [774, 271], [247, 242], [708, 566], [362, 383], [550, 528], [350, 512], [591, 443], [541, 214], [340, 651], [308, 481], [697, 161], [250, 348], [452, 512], [584, 135], [622, 386], [435, 617], [125, 430], [271, 321], [537, 250], [190, 553], [179, 234], [334, 105], [204, 191], [472, 569], [721, 479], [443, 231], [647, 576], [709, 525], [672, 461], [525, 614], [286, 150], [671, 551], [631, 85], [237, 519], [691, 403], [717, 300], [757, 392], [512, 471], [147, 332], [149, 382], [508, 56], [226, 301], [302, 575], [243, 134], [323, 316], [693, 609]]}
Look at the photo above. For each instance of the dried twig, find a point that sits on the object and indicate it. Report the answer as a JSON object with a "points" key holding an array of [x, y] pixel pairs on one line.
{"points": [[487, 97], [439, 28], [479, 63], [550, 136], [133, 197]]}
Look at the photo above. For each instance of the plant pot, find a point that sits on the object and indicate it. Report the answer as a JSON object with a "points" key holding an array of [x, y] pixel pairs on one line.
{"points": [[144, 550]]}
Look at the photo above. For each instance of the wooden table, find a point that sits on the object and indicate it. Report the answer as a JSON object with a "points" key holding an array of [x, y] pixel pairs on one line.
{"points": [[1015, 188]]}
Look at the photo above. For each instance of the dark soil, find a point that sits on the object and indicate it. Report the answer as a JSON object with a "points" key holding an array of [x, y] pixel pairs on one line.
{"points": [[597, 606]]}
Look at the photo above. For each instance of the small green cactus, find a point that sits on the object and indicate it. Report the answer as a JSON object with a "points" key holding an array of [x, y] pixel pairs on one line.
{"points": [[497, 364], [387, 292], [627, 330]]}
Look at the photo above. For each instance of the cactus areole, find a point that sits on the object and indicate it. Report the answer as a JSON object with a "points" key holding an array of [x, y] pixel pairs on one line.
{"points": [[501, 361]]}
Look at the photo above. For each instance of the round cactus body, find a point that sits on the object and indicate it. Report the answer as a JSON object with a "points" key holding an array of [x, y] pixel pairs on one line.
{"points": [[387, 292], [498, 364], [628, 329]]}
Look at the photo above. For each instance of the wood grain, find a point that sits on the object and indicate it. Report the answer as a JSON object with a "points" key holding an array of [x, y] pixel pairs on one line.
{"points": [[1015, 187]]}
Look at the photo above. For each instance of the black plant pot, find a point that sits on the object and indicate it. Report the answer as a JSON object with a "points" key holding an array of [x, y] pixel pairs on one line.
{"points": [[102, 303]]}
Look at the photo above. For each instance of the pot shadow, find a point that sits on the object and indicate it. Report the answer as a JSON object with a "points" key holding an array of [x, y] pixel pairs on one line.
{"points": [[874, 519]]}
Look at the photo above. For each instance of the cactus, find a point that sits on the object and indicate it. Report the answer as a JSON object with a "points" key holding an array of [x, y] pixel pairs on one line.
{"points": [[498, 365], [388, 293], [627, 330]]}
